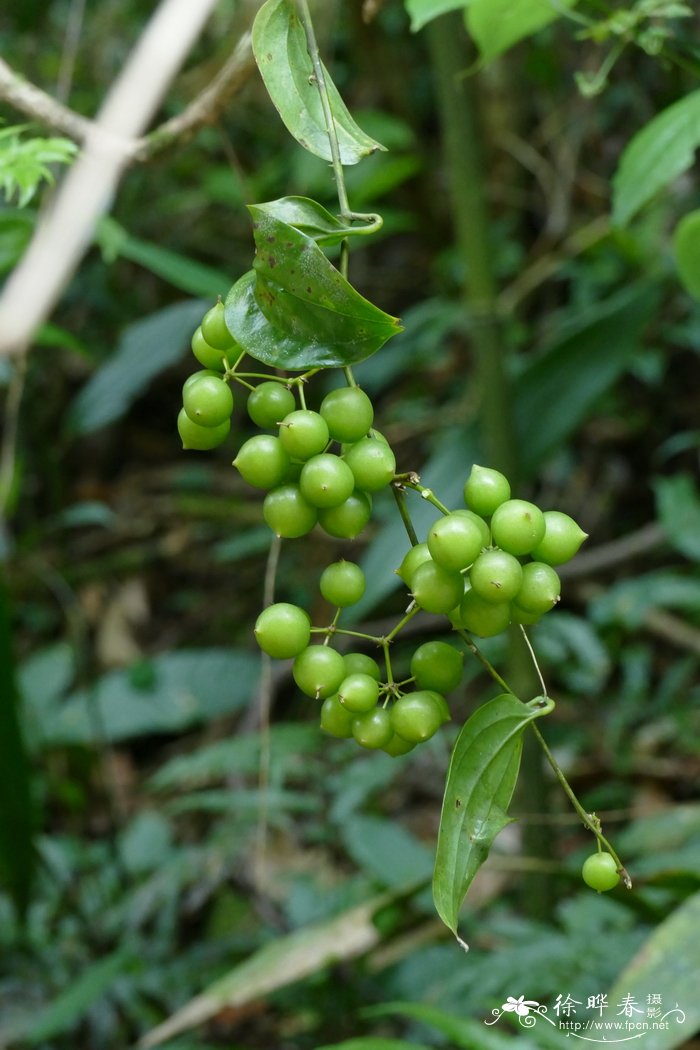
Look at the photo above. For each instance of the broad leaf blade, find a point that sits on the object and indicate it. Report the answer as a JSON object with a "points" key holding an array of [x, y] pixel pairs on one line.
{"points": [[423, 11], [678, 508], [279, 46], [659, 153], [497, 25], [312, 219], [480, 783], [686, 248]]}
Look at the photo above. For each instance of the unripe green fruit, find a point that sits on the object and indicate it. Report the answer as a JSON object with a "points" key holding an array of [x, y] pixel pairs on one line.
{"points": [[318, 671], [304, 433], [539, 592], [416, 716], [348, 412], [372, 463], [483, 618], [269, 403], [360, 663], [485, 490], [373, 730], [349, 519], [214, 328], [441, 704], [522, 616], [342, 583], [562, 538], [199, 438], [600, 872], [398, 746], [283, 630], [262, 461], [438, 666], [454, 541], [326, 481], [358, 692], [517, 526], [196, 376], [208, 400], [335, 719], [287, 513], [415, 556], [435, 589], [496, 576], [207, 355], [482, 526]]}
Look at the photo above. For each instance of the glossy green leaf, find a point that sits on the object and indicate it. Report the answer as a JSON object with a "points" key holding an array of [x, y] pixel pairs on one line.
{"points": [[423, 11], [295, 310], [312, 219], [678, 508], [668, 965], [686, 247], [659, 153], [497, 25], [279, 46], [480, 783]]}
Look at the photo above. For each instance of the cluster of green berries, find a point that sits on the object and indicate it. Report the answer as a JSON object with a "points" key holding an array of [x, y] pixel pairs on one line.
{"points": [[355, 700], [207, 402], [492, 563]]}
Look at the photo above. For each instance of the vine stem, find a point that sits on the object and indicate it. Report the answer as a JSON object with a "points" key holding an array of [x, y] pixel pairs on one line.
{"points": [[400, 498]]}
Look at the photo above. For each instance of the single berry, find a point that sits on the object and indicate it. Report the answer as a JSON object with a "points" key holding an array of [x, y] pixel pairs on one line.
{"points": [[318, 671], [342, 583], [373, 729], [481, 617], [398, 746], [562, 538], [435, 589], [214, 328], [304, 433], [372, 463], [348, 412], [197, 376], [415, 556], [283, 630], [326, 481], [437, 665], [287, 513], [335, 719], [207, 355], [346, 521], [358, 692], [517, 526], [496, 576], [520, 615], [269, 403], [208, 401], [485, 489], [360, 663], [481, 525], [416, 716], [200, 438], [454, 541], [539, 592], [600, 872], [262, 461]]}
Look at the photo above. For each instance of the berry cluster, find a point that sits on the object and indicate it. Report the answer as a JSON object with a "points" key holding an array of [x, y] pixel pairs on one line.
{"points": [[207, 402], [491, 564]]}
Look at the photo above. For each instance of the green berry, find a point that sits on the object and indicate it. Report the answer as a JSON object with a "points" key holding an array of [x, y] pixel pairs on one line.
{"points": [[348, 412], [435, 589], [283, 630], [349, 519], [416, 716], [326, 481], [454, 541], [539, 592], [373, 729], [496, 576], [360, 663], [262, 461], [358, 692], [372, 463], [562, 538], [481, 617], [485, 490], [207, 355], [269, 403], [335, 719], [342, 583], [415, 556], [520, 615], [318, 671], [208, 401], [438, 666], [197, 376], [600, 872], [480, 524], [214, 329], [517, 526], [200, 438], [398, 746], [287, 513], [304, 433]]}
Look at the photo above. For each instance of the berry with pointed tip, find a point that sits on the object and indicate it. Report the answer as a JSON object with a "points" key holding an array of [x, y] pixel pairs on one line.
{"points": [[435, 589], [358, 692], [517, 526], [485, 489], [287, 513], [262, 461], [318, 671], [214, 328], [539, 592], [198, 438], [562, 538], [208, 400], [207, 355], [326, 481], [414, 557]]}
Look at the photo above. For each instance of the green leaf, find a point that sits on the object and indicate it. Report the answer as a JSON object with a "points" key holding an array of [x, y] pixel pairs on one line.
{"points": [[629, 601], [423, 11], [659, 153], [313, 220], [145, 349], [496, 25], [386, 851], [686, 246], [678, 508], [279, 46], [667, 965], [480, 783], [295, 310], [463, 1033]]}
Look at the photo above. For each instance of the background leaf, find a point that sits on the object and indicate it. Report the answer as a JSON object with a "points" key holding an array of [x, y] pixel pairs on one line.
{"points": [[678, 508], [424, 11], [498, 24], [686, 248]]}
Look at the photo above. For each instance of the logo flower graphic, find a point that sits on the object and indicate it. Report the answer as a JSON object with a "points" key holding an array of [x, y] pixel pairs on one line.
{"points": [[520, 1006]]}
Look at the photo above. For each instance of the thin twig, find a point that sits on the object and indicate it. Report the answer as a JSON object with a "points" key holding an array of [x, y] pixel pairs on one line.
{"points": [[265, 694]]}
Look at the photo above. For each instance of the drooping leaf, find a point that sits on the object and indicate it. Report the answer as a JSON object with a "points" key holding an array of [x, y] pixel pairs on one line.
{"points": [[145, 349], [497, 25], [295, 310], [659, 153], [311, 218], [279, 46], [686, 247], [678, 508], [480, 783], [668, 965], [423, 11]]}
